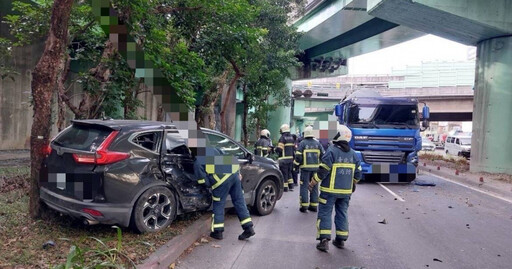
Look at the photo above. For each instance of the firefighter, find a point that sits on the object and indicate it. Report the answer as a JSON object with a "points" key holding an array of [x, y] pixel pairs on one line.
{"points": [[263, 147], [295, 170], [338, 172], [222, 175], [307, 159], [285, 151]]}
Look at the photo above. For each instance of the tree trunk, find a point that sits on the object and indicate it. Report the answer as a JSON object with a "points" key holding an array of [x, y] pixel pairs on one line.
{"points": [[61, 90], [44, 80], [244, 117], [206, 113], [228, 103]]}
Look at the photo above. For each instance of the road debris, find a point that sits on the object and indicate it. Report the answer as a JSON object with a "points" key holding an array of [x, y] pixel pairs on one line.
{"points": [[204, 240], [467, 226], [216, 246], [450, 206], [172, 265], [383, 221], [48, 244], [424, 183], [437, 260]]}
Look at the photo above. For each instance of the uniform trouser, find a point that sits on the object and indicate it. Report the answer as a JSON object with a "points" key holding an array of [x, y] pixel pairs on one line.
{"points": [[286, 168], [307, 198], [295, 175], [326, 202], [233, 187]]}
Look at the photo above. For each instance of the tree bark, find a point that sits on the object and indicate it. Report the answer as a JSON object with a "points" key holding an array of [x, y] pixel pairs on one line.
{"points": [[44, 80], [244, 117], [61, 90], [206, 117], [228, 102]]}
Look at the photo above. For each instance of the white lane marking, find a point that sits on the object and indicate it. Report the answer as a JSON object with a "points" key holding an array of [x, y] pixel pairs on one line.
{"points": [[471, 188], [392, 193]]}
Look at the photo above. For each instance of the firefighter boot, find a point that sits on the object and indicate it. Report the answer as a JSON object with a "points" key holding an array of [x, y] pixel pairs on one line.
{"points": [[303, 209], [312, 208], [323, 245], [248, 232], [338, 243], [216, 234]]}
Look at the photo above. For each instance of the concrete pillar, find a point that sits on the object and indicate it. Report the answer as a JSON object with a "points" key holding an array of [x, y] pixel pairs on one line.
{"points": [[491, 149]]}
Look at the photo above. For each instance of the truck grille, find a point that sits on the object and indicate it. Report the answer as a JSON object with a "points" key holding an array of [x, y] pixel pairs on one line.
{"points": [[383, 156], [389, 143]]}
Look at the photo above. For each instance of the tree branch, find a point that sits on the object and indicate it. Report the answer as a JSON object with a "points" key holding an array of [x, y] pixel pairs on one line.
{"points": [[171, 10]]}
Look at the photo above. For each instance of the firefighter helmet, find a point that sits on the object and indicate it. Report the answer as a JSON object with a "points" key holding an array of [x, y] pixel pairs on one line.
{"points": [[308, 132], [265, 133], [284, 128], [344, 134]]}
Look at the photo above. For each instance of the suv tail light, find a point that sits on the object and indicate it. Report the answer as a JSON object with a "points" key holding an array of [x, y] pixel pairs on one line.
{"points": [[102, 155]]}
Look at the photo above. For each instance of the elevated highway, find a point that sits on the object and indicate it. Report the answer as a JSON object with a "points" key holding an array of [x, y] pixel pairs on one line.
{"points": [[335, 30]]}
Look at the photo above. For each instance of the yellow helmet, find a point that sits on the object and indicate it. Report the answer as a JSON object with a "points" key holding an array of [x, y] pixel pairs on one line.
{"points": [[344, 134], [265, 133], [284, 128], [308, 132]]}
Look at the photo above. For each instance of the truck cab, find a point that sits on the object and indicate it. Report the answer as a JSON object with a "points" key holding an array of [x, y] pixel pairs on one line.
{"points": [[385, 134]]}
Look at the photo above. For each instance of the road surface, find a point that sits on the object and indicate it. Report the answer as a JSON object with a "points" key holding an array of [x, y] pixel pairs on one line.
{"points": [[446, 226]]}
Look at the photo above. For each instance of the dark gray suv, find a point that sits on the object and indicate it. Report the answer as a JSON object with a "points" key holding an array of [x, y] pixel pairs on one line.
{"points": [[140, 173]]}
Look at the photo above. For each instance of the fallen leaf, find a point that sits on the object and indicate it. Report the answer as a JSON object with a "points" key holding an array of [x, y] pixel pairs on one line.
{"points": [[196, 244], [216, 246], [204, 240], [172, 266]]}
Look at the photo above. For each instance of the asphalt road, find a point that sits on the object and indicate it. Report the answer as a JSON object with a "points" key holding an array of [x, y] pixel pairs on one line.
{"points": [[446, 226]]}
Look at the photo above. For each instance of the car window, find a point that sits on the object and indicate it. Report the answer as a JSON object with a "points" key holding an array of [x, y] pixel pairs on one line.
{"points": [[225, 145], [457, 141], [82, 137], [147, 140]]}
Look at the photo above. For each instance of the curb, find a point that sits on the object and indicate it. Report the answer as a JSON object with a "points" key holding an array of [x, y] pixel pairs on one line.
{"points": [[168, 253]]}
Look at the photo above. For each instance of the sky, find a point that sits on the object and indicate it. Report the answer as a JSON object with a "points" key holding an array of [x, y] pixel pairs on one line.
{"points": [[424, 49]]}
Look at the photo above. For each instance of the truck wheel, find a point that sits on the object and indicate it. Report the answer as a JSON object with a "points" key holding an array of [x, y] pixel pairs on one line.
{"points": [[266, 197], [446, 151], [154, 210]]}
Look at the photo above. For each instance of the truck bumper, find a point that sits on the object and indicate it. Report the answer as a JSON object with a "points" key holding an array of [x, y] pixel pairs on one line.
{"points": [[387, 172]]}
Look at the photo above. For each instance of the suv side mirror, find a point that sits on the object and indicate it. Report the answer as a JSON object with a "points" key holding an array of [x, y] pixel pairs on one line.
{"points": [[338, 111], [249, 157], [426, 115]]}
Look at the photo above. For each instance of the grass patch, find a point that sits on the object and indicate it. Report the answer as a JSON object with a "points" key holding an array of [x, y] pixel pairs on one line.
{"points": [[453, 162], [84, 246]]}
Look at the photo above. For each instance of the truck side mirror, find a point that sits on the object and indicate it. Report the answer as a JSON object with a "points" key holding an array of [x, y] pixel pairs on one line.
{"points": [[338, 111], [426, 115], [426, 112]]}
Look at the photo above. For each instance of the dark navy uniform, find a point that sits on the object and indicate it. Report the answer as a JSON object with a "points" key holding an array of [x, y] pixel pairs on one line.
{"points": [[286, 151], [307, 159], [222, 175], [339, 170], [263, 147]]}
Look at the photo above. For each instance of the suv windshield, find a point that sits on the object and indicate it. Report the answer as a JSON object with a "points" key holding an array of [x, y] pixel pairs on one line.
{"points": [[82, 137], [401, 116]]}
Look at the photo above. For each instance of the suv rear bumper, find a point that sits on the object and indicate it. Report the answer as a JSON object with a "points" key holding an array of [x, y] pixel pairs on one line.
{"points": [[112, 214]]}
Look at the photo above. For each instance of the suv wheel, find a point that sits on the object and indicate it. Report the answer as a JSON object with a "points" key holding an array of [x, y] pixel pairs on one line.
{"points": [[154, 210], [266, 197]]}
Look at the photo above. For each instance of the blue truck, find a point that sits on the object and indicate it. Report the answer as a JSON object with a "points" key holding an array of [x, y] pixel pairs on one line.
{"points": [[385, 134]]}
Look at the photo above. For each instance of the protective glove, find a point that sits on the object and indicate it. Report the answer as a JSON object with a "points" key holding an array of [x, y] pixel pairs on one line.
{"points": [[311, 185]]}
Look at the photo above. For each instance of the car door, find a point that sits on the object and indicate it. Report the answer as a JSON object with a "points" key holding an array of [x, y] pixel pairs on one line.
{"points": [[248, 170], [178, 167]]}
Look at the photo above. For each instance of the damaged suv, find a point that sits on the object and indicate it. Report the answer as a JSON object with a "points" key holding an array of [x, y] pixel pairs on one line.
{"points": [[140, 174]]}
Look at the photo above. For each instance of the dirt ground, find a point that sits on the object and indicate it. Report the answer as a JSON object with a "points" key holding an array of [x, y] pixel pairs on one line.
{"points": [[29, 243]]}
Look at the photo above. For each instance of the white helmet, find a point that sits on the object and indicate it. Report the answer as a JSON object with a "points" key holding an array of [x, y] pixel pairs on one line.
{"points": [[308, 132], [265, 133], [284, 128], [344, 134]]}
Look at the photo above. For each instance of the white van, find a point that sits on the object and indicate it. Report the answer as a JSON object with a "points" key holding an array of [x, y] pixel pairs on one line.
{"points": [[458, 145]]}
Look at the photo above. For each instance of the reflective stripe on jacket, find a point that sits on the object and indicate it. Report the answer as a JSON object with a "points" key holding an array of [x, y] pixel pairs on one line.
{"points": [[308, 154], [262, 147], [286, 147], [338, 171]]}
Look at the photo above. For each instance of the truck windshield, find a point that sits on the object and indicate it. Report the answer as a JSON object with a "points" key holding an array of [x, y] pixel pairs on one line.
{"points": [[372, 116]]}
